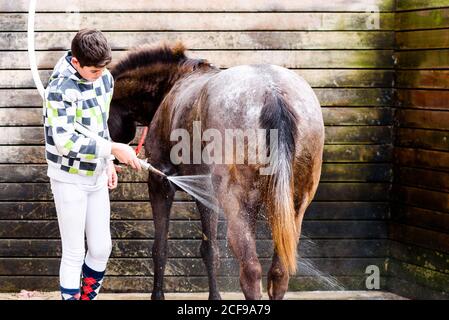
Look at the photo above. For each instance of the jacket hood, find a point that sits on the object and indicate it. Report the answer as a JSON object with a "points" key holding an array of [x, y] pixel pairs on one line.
{"points": [[64, 69]]}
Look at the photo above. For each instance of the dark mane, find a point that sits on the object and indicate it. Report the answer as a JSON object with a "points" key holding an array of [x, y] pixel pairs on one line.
{"points": [[149, 54], [147, 73], [150, 70]]}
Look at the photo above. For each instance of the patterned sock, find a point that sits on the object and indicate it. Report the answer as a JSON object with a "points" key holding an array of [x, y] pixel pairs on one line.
{"points": [[91, 283], [70, 294]]}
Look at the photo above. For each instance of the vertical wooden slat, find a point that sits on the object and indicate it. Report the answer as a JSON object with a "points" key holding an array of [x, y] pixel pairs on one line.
{"points": [[420, 203]]}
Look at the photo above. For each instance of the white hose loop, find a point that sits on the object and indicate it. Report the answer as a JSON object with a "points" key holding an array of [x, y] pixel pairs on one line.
{"points": [[31, 50]]}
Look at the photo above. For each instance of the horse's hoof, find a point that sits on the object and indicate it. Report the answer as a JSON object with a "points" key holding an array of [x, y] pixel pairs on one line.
{"points": [[157, 296], [214, 296]]}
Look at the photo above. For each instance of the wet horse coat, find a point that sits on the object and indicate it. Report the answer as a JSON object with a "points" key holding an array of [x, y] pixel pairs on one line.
{"points": [[161, 87]]}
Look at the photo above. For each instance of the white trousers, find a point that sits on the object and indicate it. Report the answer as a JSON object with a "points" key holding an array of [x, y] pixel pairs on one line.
{"points": [[82, 209]]}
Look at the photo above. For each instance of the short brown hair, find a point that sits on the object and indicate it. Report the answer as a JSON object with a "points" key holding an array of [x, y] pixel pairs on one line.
{"points": [[91, 48]]}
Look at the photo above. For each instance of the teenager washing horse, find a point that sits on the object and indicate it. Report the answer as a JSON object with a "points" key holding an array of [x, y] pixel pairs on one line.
{"points": [[160, 87]]}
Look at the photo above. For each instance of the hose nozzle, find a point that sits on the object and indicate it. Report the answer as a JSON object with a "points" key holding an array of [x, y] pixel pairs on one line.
{"points": [[147, 166]]}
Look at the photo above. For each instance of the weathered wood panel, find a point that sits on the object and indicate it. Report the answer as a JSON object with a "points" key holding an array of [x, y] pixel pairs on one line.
{"points": [[420, 276], [412, 290], [210, 40], [356, 135], [421, 138], [327, 97], [425, 79], [423, 99], [334, 46], [420, 237], [144, 229], [353, 153], [435, 200], [422, 158], [185, 248], [186, 210], [22, 154], [186, 266], [139, 192], [330, 172], [124, 210], [423, 218], [424, 19], [426, 39], [186, 284], [198, 5], [430, 179], [418, 256], [420, 201], [225, 59], [21, 117], [423, 119], [420, 4], [188, 21], [357, 116], [328, 78], [423, 59], [332, 153], [334, 135], [340, 116]]}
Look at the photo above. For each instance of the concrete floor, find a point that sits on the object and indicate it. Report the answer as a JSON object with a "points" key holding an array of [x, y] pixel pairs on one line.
{"points": [[304, 295]]}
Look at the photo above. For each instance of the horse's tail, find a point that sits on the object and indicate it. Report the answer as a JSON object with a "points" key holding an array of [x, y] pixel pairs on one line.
{"points": [[276, 114]]}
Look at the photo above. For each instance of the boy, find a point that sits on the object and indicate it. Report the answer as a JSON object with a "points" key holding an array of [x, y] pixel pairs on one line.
{"points": [[81, 168]]}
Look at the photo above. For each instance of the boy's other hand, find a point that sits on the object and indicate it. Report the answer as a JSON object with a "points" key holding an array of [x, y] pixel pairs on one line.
{"points": [[112, 176], [125, 154]]}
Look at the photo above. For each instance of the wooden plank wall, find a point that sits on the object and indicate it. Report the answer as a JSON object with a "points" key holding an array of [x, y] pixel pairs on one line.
{"points": [[420, 208], [332, 44]]}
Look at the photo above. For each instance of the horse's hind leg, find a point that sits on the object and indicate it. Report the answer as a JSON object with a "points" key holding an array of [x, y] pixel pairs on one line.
{"points": [[242, 241], [161, 197], [236, 205], [209, 248]]}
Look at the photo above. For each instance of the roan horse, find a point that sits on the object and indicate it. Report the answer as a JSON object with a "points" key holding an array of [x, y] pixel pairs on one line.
{"points": [[160, 87]]}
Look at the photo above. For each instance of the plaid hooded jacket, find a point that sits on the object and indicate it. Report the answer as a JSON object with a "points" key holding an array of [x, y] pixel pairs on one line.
{"points": [[71, 156]]}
